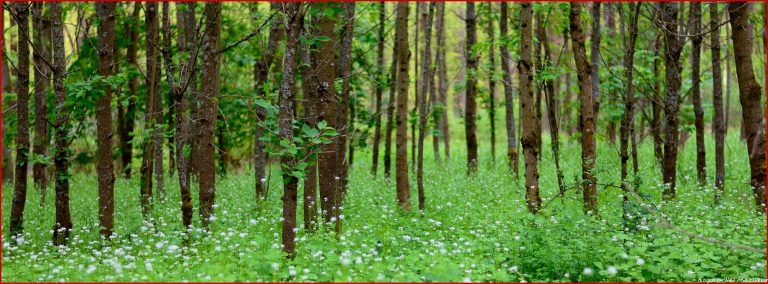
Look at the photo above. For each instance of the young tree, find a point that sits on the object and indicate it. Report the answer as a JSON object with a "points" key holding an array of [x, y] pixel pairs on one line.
{"points": [[106, 30], [528, 139], [442, 78], [426, 76], [718, 121], [509, 103], [126, 118], [492, 81], [41, 32], [627, 119], [20, 12], [401, 162], [750, 97], [344, 108], [584, 72], [595, 57], [471, 109], [379, 87], [673, 48], [392, 82], [151, 112], [310, 118], [696, 38], [63, 224], [209, 96]]}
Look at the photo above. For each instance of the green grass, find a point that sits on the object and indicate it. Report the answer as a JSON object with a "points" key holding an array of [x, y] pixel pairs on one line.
{"points": [[473, 229]]}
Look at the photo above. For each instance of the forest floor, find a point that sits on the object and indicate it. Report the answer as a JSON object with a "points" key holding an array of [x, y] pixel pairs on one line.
{"points": [[473, 229]]}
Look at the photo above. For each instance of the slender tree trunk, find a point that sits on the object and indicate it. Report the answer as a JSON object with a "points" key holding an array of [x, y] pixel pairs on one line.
{"points": [[126, 126], [673, 48], [728, 77], [392, 83], [750, 94], [413, 116], [442, 79], [63, 224], [7, 88], [549, 92], [209, 96], [470, 112], [627, 119], [509, 103], [528, 138], [401, 167], [426, 63], [21, 16], [42, 43], [310, 117], [152, 78], [698, 110], [584, 73], [492, 84], [106, 30], [657, 104], [379, 88], [595, 57], [344, 108], [718, 120], [157, 137]]}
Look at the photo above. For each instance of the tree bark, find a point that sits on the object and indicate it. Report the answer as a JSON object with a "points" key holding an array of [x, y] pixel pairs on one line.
{"points": [[528, 138], [718, 121], [344, 108], [21, 16], [673, 48], [627, 119], [42, 42], [509, 103], [595, 57], [442, 78], [126, 121], [310, 117], [209, 96], [379, 88], [695, 29], [750, 94], [106, 30], [392, 83], [471, 86], [150, 113], [492, 84], [426, 75], [403, 54], [584, 72], [657, 104], [63, 224]]}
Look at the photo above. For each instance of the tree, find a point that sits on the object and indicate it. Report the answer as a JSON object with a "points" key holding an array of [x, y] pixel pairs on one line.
{"points": [[403, 54], [442, 78], [106, 29], [492, 82], [126, 118], [392, 83], [595, 57], [21, 16], [509, 103], [698, 110], [718, 121], [584, 74], [673, 48], [41, 30], [627, 119], [528, 138], [308, 85], [379, 87], [63, 224], [209, 96], [471, 85], [426, 76], [750, 97], [151, 112]]}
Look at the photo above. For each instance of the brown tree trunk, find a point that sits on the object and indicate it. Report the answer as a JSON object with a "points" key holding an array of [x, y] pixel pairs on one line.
{"points": [[151, 111], [424, 83], [442, 78], [695, 29], [21, 16], [209, 96], [344, 108], [287, 92], [584, 73], [728, 77], [469, 101], [627, 119], [126, 120], [595, 57], [379, 88], [750, 94], [657, 104], [7, 88], [413, 115], [63, 224], [718, 121], [673, 48], [492, 84], [401, 162], [41, 56], [509, 103], [310, 117], [106, 30], [528, 137], [392, 83]]}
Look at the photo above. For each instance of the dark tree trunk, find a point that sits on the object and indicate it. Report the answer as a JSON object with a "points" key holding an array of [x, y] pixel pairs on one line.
{"points": [[106, 30], [442, 78], [695, 29], [392, 83], [209, 97], [657, 104], [310, 117], [750, 94], [584, 72], [528, 138], [21, 16], [718, 121], [728, 77], [42, 42], [627, 119], [344, 108], [151, 110], [379, 88], [426, 75], [126, 120], [469, 103], [673, 48], [413, 115], [595, 57], [63, 224], [492, 84], [403, 54], [509, 103]]}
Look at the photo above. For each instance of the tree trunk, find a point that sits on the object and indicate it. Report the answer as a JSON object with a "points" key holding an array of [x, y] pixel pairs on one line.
{"points": [[42, 42], [63, 224], [310, 118], [150, 116], [492, 84], [657, 104], [728, 77], [549, 92], [287, 92], [106, 30], [695, 29], [469, 101], [344, 107], [392, 83], [509, 103], [627, 119], [750, 94], [673, 48], [126, 126], [401, 162], [379, 88], [426, 75], [718, 120], [595, 57], [442, 78], [21, 16], [584, 73], [528, 138], [413, 115], [209, 96]]}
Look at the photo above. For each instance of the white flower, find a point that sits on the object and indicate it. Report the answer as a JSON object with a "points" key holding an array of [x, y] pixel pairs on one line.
{"points": [[275, 266], [466, 280], [173, 248], [148, 266], [612, 270], [90, 269], [346, 261], [513, 269], [291, 271], [588, 271], [640, 261]]}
